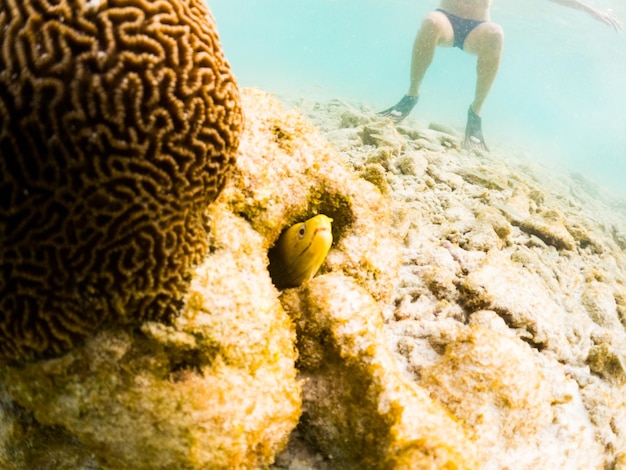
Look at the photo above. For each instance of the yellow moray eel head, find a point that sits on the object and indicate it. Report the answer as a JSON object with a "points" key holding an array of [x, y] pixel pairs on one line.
{"points": [[300, 251]]}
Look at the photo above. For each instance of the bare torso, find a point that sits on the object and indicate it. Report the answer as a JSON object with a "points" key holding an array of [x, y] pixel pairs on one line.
{"points": [[474, 9]]}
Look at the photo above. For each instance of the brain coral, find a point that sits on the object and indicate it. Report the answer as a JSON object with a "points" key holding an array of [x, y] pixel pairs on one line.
{"points": [[119, 122]]}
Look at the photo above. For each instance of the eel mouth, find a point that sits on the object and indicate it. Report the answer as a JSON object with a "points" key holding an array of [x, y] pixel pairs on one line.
{"points": [[315, 232]]}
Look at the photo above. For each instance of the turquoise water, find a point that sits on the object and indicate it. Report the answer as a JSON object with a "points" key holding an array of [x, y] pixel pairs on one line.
{"points": [[560, 94]]}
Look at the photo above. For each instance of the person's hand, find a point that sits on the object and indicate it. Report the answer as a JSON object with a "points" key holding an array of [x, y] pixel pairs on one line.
{"points": [[608, 18]]}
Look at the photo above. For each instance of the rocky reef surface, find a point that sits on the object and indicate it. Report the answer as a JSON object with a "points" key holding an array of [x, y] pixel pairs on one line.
{"points": [[509, 307], [469, 315]]}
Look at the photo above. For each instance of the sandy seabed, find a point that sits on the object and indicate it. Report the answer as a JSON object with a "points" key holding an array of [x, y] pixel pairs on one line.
{"points": [[511, 302]]}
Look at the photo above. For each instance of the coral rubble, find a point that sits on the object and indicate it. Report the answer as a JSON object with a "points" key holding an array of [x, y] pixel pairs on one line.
{"points": [[358, 405], [509, 304]]}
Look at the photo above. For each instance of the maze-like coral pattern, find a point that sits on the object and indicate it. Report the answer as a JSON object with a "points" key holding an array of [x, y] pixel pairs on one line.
{"points": [[119, 122]]}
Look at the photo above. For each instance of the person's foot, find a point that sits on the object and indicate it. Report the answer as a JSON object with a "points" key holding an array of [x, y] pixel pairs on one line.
{"points": [[474, 132], [401, 109]]}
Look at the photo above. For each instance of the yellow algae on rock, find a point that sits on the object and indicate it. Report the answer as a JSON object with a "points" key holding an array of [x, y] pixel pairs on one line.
{"points": [[599, 301], [287, 172], [608, 362], [27, 445], [376, 174], [383, 134], [550, 226], [358, 406], [216, 389]]}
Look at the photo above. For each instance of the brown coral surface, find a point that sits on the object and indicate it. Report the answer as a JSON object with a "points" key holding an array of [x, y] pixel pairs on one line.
{"points": [[119, 121]]}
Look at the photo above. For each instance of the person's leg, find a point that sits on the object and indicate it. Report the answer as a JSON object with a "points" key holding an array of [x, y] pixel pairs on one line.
{"points": [[434, 31], [485, 41]]}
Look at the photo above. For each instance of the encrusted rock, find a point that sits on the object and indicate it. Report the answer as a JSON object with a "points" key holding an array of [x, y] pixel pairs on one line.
{"points": [[609, 362], [25, 444], [550, 227], [500, 285], [598, 299], [217, 388], [376, 174], [358, 406], [412, 164], [383, 134], [499, 348], [517, 400]]}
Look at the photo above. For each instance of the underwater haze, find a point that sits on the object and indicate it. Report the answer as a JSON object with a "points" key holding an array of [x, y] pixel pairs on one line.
{"points": [[560, 95]]}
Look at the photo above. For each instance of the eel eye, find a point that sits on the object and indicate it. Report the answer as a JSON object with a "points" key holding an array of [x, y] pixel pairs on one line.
{"points": [[301, 232]]}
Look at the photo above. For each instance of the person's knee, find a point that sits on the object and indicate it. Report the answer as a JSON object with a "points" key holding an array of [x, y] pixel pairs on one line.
{"points": [[494, 37], [433, 23], [435, 30]]}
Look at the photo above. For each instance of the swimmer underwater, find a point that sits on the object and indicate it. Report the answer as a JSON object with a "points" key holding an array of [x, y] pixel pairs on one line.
{"points": [[466, 24]]}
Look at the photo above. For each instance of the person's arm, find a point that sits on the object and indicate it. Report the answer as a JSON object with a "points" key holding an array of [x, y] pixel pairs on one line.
{"points": [[605, 17]]}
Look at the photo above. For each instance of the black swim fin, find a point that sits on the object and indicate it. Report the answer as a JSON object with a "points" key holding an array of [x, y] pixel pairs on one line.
{"points": [[401, 109], [474, 132]]}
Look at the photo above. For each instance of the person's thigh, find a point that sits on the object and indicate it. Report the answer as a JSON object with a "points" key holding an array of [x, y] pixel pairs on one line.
{"points": [[486, 37], [437, 23]]}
